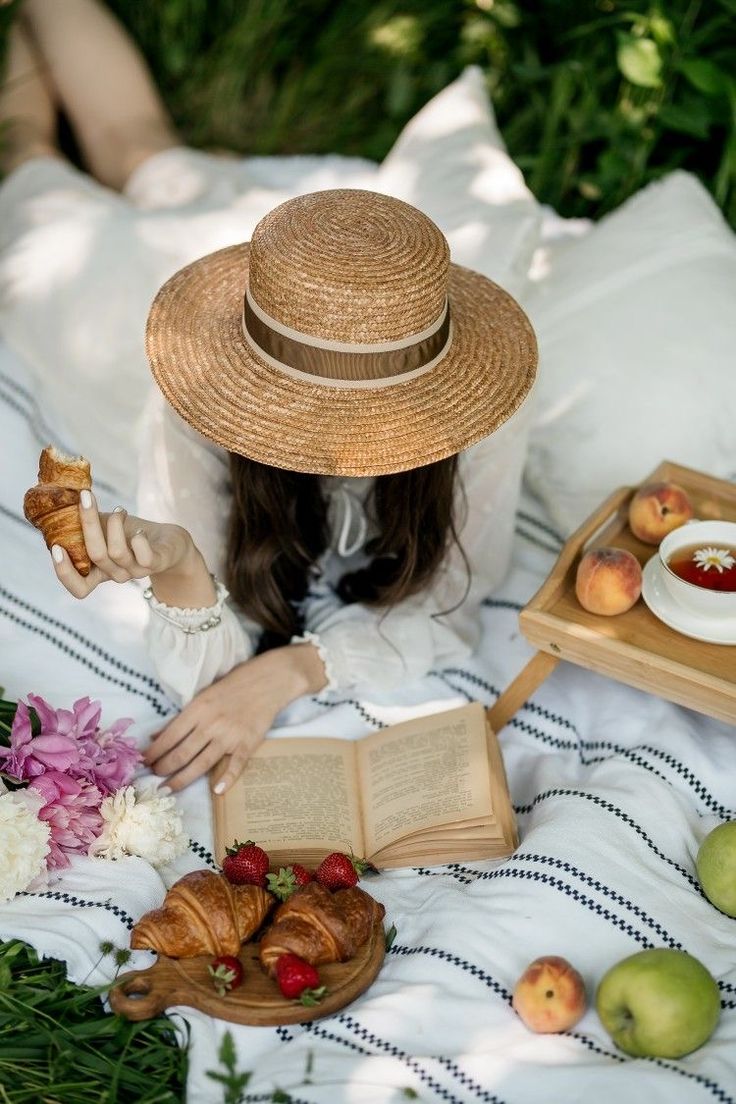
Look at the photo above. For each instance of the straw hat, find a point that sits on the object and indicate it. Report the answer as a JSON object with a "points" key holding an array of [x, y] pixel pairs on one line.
{"points": [[340, 341]]}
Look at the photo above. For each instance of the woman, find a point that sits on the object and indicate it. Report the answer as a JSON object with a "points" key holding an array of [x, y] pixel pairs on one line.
{"points": [[340, 446]]}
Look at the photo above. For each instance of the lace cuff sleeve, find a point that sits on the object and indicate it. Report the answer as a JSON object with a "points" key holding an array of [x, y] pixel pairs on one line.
{"points": [[191, 648], [190, 620], [313, 638]]}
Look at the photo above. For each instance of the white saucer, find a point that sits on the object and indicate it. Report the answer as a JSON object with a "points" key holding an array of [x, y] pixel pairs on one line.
{"points": [[713, 630]]}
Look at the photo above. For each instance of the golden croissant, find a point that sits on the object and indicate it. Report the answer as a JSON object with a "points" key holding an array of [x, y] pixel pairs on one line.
{"points": [[320, 926], [202, 914], [53, 504]]}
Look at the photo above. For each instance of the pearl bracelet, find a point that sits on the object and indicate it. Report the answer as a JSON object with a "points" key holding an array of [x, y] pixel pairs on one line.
{"points": [[209, 623]]}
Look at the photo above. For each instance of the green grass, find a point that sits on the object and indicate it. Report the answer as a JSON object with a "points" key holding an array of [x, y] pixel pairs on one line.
{"points": [[594, 99], [57, 1045]]}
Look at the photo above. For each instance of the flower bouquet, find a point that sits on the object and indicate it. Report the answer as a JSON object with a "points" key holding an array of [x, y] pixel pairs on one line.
{"points": [[65, 788]]}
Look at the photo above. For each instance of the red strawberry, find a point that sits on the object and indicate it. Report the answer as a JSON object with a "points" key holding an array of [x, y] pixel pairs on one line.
{"points": [[340, 871], [246, 864], [226, 973], [289, 878], [301, 874], [297, 979]]}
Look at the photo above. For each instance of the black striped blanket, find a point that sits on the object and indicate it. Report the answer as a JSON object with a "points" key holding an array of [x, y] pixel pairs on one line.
{"points": [[614, 790]]}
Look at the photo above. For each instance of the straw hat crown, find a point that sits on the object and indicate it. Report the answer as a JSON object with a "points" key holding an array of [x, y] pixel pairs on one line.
{"points": [[341, 340], [367, 270]]}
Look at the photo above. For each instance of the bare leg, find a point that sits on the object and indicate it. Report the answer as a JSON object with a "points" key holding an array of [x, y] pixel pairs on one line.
{"points": [[27, 112], [103, 83]]}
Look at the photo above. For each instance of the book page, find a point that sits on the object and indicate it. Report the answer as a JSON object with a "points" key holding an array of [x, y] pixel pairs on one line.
{"points": [[294, 794], [424, 773], [502, 807]]}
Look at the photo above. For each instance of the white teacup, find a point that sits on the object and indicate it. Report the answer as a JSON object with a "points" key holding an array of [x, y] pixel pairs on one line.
{"points": [[697, 599]]}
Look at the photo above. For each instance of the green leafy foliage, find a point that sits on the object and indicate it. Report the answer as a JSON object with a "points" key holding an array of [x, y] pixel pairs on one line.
{"points": [[58, 1045], [7, 713], [594, 98], [639, 60], [234, 1082]]}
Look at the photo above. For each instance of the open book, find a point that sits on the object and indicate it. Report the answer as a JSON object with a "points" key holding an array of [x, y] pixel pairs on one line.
{"points": [[427, 791]]}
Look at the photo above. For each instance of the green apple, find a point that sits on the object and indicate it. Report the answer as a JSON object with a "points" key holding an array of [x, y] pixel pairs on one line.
{"points": [[659, 1003], [716, 865]]}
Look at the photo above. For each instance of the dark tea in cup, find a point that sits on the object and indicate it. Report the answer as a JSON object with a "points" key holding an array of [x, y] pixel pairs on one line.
{"points": [[712, 567]]}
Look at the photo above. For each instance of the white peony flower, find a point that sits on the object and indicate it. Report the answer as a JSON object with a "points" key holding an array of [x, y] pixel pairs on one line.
{"points": [[25, 841], [141, 821]]}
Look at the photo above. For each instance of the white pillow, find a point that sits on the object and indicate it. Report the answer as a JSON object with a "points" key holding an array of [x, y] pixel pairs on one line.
{"points": [[450, 162], [80, 264], [637, 333]]}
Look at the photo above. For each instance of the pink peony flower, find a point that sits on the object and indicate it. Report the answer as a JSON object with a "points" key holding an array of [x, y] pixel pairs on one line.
{"points": [[72, 811], [79, 722], [108, 759], [29, 755], [71, 741]]}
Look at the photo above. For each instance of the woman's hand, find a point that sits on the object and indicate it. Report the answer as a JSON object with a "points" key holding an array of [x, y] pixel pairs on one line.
{"points": [[229, 719], [122, 547]]}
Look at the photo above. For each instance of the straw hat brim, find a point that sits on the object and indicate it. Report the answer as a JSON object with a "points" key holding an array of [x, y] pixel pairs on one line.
{"points": [[208, 373]]}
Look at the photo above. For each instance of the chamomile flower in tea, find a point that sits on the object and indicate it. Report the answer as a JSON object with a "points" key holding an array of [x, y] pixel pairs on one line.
{"points": [[718, 558], [711, 567]]}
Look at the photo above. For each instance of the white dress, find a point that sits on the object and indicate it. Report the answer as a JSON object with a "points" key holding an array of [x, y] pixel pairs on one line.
{"points": [[78, 268], [184, 479]]}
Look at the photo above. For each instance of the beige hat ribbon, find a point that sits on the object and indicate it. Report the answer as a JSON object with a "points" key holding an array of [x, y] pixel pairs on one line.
{"points": [[340, 364]]}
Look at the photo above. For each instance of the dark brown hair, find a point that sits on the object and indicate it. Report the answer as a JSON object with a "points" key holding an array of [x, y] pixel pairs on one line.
{"points": [[279, 528]]}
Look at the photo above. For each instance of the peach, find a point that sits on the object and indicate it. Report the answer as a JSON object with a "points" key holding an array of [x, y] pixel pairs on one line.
{"points": [[658, 508], [608, 581], [550, 995]]}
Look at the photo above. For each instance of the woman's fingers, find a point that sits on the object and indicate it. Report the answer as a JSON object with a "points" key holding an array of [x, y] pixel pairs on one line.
{"points": [[95, 540], [129, 544], [117, 543], [184, 750], [199, 765], [231, 770], [141, 548], [120, 546], [78, 585], [174, 732], [182, 753]]}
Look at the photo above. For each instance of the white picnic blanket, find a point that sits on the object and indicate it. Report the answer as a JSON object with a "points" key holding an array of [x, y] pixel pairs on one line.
{"points": [[614, 790]]}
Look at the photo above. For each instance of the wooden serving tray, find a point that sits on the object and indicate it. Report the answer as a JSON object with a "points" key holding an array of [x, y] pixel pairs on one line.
{"points": [[140, 994], [634, 647]]}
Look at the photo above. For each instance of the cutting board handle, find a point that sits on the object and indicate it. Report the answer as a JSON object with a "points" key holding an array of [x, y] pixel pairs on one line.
{"points": [[141, 994]]}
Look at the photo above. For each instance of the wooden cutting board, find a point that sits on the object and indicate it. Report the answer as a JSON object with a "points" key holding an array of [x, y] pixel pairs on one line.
{"points": [[140, 994]]}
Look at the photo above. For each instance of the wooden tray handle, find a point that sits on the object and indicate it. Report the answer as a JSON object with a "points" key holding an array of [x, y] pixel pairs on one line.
{"points": [[577, 540], [607, 510], [141, 994]]}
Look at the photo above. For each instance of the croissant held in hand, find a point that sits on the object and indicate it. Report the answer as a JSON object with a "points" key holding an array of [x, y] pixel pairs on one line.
{"points": [[53, 504], [202, 914], [320, 926]]}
